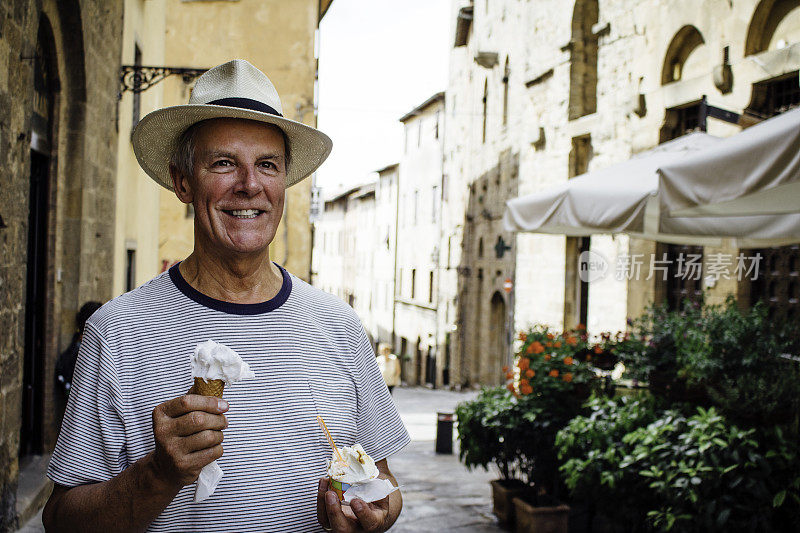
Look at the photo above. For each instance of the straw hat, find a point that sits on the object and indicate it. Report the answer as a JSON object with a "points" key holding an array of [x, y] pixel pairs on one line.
{"points": [[235, 89]]}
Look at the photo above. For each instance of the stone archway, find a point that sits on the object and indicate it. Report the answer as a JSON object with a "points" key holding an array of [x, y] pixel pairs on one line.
{"points": [[498, 347], [764, 26], [38, 297], [683, 45]]}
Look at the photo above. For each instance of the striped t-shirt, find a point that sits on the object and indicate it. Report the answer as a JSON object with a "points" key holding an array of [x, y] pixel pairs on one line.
{"points": [[310, 356]]}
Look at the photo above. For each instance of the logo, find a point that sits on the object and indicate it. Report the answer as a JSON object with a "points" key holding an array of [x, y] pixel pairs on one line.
{"points": [[592, 266]]}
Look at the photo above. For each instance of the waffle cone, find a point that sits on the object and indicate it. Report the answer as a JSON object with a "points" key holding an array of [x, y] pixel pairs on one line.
{"points": [[212, 387]]}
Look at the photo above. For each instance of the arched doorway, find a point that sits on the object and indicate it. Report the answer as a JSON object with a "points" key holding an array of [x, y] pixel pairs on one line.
{"points": [[34, 381], [497, 338]]}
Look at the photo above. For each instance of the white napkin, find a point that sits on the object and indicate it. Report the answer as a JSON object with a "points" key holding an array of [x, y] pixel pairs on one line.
{"points": [[207, 482], [369, 491]]}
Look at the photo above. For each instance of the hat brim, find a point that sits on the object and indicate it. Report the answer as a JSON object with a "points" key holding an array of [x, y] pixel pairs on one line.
{"points": [[156, 136]]}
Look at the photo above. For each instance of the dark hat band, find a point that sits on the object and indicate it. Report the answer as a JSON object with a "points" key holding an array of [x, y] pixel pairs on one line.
{"points": [[246, 103]]}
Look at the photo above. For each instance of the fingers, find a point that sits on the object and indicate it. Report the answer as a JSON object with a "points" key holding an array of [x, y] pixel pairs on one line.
{"points": [[193, 402], [371, 517], [322, 515], [188, 434], [201, 441], [196, 421], [336, 518]]}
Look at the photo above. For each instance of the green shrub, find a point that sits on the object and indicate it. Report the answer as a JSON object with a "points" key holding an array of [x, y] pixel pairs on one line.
{"points": [[720, 356], [659, 470], [488, 429]]}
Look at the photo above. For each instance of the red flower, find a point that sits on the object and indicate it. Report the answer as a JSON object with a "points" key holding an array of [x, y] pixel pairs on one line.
{"points": [[509, 375], [598, 349], [567, 377], [524, 363], [572, 341], [530, 373], [526, 389], [510, 387], [505, 368], [553, 373], [547, 357], [568, 360], [535, 347]]}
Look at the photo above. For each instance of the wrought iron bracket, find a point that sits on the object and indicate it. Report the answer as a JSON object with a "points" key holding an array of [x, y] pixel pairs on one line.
{"points": [[138, 78]]}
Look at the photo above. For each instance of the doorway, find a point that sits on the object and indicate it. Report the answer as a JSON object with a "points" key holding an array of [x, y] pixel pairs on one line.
{"points": [[38, 249], [497, 344]]}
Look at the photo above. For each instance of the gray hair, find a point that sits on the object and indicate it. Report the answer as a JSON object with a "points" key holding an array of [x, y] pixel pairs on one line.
{"points": [[183, 155]]}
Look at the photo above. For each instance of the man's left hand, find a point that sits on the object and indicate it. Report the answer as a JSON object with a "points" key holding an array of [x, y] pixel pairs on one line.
{"points": [[358, 517]]}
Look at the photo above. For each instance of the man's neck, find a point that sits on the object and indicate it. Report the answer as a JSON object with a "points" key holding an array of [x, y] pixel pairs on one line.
{"points": [[243, 280]]}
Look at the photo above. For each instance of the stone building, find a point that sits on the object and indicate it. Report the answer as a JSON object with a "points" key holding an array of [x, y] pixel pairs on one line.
{"points": [[136, 235], [550, 90], [196, 37], [384, 255], [59, 79]]}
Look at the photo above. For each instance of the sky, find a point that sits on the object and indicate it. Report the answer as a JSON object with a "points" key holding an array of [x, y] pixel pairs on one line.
{"points": [[378, 60]]}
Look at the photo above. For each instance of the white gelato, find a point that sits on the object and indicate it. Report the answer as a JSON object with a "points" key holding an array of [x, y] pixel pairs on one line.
{"points": [[212, 360], [358, 466]]}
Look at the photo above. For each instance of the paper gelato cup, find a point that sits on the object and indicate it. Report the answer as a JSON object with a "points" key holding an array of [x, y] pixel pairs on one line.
{"points": [[339, 488]]}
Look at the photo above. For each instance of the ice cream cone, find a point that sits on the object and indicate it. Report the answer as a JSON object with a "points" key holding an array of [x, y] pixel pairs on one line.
{"points": [[212, 387]]}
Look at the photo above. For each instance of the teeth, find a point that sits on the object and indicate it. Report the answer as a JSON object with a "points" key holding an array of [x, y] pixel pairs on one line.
{"points": [[245, 213]]}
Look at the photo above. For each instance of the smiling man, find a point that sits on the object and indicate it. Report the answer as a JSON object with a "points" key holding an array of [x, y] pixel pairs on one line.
{"points": [[133, 442]]}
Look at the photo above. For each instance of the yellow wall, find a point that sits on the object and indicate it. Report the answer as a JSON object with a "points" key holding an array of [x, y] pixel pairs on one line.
{"points": [[277, 36], [137, 196]]}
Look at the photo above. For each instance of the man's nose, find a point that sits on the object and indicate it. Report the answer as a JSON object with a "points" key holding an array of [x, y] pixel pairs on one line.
{"points": [[248, 180]]}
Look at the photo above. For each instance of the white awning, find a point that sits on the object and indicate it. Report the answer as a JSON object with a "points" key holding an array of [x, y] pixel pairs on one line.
{"points": [[624, 198], [755, 172]]}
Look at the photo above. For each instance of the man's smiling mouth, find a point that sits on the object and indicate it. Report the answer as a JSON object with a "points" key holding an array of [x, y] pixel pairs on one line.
{"points": [[244, 213]]}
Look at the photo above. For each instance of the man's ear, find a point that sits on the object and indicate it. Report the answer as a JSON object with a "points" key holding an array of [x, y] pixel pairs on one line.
{"points": [[181, 185]]}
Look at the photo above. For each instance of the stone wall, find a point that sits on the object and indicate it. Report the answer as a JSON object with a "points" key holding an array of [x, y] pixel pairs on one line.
{"points": [[84, 44], [545, 55], [287, 58]]}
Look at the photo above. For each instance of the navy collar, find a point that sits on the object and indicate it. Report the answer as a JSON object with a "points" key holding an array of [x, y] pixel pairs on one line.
{"points": [[230, 307]]}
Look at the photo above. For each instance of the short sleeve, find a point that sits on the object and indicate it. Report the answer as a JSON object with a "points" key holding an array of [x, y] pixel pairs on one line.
{"points": [[91, 444], [379, 428]]}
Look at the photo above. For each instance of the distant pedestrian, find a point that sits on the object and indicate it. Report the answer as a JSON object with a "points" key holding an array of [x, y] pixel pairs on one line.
{"points": [[389, 365], [65, 364]]}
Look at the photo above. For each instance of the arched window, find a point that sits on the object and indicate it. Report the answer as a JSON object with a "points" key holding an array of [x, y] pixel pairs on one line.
{"points": [[583, 65], [685, 57], [775, 24]]}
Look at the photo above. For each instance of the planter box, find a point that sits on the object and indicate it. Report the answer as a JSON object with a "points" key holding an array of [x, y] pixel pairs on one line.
{"points": [[503, 493], [532, 519]]}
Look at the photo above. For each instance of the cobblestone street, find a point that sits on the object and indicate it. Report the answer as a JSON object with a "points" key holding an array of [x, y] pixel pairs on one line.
{"points": [[439, 494]]}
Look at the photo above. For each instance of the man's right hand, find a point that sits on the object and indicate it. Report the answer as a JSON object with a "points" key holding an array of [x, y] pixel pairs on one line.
{"points": [[188, 436]]}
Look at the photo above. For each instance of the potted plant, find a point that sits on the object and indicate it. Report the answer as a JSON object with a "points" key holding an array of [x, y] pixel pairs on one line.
{"points": [[486, 439], [550, 383], [655, 351]]}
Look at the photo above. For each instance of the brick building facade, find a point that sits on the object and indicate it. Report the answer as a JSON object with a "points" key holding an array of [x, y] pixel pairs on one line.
{"points": [[59, 67]]}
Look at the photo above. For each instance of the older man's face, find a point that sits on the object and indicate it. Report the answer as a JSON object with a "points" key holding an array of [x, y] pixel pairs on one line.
{"points": [[238, 186]]}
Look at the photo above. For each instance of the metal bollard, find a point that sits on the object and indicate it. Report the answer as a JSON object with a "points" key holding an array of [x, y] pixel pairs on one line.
{"points": [[444, 432]]}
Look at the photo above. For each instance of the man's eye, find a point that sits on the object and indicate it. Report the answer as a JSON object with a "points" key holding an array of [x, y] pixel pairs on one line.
{"points": [[269, 164], [221, 163]]}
